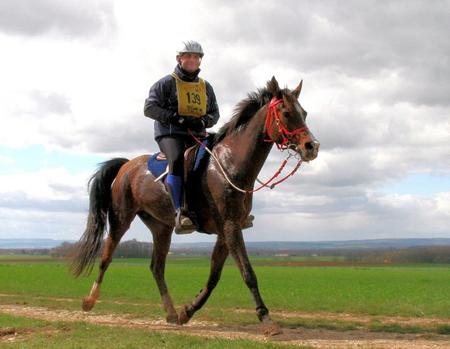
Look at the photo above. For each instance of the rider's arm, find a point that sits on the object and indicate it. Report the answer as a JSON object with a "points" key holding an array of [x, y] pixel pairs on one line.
{"points": [[212, 113], [156, 106]]}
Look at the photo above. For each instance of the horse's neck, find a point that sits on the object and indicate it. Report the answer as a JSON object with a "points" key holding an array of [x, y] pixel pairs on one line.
{"points": [[243, 153]]}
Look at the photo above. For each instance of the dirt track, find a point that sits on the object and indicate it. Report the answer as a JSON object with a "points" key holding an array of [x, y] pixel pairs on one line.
{"points": [[317, 338]]}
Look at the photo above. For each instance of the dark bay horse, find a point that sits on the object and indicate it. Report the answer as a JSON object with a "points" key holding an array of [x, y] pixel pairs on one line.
{"points": [[122, 189]]}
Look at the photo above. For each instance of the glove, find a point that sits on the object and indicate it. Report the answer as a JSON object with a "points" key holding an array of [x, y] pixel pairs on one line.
{"points": [[208, 120], [178, 120], [196, 124]]}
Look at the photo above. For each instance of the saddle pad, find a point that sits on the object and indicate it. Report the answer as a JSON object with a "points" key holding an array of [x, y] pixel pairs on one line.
{"points": [[157, 166]]}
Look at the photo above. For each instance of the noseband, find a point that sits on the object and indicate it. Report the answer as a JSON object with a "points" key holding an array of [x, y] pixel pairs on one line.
{"points": [[287, 137]]}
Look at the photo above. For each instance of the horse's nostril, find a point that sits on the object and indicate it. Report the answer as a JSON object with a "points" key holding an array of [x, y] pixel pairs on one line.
{"points": [[309, 146]]}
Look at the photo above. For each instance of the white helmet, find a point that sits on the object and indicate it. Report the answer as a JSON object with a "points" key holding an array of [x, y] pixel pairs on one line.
{"points": [[191, 47]]}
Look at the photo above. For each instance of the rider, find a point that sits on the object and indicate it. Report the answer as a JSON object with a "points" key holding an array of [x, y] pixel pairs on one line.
{"points": [[178, 102]]}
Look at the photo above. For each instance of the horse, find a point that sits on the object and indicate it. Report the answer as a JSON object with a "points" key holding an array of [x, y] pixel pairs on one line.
{"points": [[122, 189]]}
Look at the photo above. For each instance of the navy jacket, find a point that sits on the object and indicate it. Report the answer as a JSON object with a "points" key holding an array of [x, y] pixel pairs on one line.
{"points": [[162, 104]]}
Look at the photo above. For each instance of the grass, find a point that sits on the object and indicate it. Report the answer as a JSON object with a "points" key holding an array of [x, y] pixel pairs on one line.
{"points": [[43, 334], [128, 288], [395, 290], [376, 326]]}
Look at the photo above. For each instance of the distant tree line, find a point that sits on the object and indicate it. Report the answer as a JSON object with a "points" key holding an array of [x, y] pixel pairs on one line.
{"points": [[27, 251], [432, 254], [138, 249], [126, 249]]}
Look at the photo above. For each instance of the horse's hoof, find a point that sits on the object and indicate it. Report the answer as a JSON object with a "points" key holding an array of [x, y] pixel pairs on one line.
{"points": [[184, 317], [172, 318], [272, 329], [87, 304]]}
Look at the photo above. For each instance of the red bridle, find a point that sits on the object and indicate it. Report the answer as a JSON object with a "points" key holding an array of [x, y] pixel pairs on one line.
{"points": [[286, 141], [273, 116]]}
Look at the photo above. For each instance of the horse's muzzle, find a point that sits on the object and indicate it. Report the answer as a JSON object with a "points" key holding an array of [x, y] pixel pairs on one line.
{"points": [[309, 151]]}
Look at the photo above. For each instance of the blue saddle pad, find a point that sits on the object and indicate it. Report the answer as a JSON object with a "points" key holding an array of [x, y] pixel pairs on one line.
{"points": [[157, 167]]}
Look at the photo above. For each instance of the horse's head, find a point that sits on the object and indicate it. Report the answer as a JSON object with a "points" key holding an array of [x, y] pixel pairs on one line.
{"points": [[286, 122]]}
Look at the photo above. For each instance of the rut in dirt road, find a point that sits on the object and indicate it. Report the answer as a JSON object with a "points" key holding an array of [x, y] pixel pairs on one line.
{"points": [[316, 338]]}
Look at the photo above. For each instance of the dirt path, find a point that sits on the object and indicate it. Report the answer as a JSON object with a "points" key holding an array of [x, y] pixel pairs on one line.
{"points": [[346, 317], [316, 338]]}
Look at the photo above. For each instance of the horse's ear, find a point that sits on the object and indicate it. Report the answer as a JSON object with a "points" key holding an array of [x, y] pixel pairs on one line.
{"points": [[272, 86], [297, 90]]}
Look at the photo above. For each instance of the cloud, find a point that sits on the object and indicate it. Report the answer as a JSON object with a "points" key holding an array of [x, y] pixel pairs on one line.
{"points": [[358, 40], [347, 217], [20, 201], [49, 103], [70, 18], [376, 87], [29, 223]]}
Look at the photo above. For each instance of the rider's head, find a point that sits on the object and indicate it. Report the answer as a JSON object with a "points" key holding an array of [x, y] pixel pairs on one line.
{"points": [[190, 56]]}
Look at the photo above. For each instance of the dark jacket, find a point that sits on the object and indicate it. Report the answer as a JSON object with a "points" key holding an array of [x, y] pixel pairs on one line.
{"points": [[162, 104]]}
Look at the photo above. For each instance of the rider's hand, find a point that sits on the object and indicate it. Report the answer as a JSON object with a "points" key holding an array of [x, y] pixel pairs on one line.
{"points": [[208, 120], [196, 124], [178, 120]]}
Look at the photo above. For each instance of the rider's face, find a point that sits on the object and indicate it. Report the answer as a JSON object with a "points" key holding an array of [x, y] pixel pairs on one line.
{"points": [[189, 61]]}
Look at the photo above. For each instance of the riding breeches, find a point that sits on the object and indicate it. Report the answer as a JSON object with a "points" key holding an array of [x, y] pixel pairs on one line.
{"points": [[174, 147]]}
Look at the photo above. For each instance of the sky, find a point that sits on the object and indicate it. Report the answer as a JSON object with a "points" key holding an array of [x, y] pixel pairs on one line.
{"points": [[74, 75]]}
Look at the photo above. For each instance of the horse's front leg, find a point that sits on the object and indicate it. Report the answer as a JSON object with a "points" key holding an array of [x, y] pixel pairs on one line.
{"points": [[218, 258], [236, 246]]}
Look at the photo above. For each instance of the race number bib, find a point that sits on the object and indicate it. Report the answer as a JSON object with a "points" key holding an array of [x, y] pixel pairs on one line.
{"points": [[191, 97]]}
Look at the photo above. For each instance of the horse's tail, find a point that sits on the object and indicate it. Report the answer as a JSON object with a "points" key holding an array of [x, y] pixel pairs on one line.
{"points": [[99, 202]]}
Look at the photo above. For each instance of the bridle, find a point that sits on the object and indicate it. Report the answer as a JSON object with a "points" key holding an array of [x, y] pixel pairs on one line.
{"points": [[287, 137], [286, 143]]}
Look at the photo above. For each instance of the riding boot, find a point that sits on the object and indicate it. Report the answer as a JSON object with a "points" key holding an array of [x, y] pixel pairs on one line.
{"points": [[183, 223], [248, 223]]}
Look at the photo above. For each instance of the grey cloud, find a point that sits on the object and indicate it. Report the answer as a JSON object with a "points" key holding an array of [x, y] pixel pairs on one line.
{"points": [[359, 39], [50, 103], [63, 188], [31, 223], [22, 202], [71, 18], [230, 82], [133, 135], [350, 217]]}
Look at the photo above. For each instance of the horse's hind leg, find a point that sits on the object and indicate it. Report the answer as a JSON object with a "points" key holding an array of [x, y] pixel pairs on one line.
{"points": [[117, 230], [219, 255], [236, 245], [162, 235]]}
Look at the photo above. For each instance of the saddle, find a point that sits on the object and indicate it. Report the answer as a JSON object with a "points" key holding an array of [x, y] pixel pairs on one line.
{"points": [[193, 156], [194, 160]]}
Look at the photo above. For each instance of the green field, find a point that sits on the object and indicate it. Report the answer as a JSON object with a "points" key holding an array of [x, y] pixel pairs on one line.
{"points": [[419, 291], [394, 290]]}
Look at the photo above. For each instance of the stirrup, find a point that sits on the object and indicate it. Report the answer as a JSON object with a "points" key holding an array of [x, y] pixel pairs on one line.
{"points": [[248, 223], [184, 224]]}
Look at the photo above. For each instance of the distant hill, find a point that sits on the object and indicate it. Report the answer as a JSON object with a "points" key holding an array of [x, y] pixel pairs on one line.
{"points": [[327, 245], [261, 246], [29, 243]]}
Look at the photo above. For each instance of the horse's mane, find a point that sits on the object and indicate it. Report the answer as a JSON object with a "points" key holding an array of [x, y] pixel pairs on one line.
{"points": [[243, 113]]}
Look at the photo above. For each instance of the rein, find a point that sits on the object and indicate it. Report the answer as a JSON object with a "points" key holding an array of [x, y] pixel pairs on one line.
{"points": [[285, 144]]}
